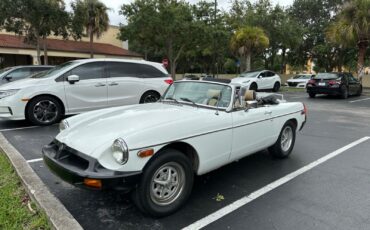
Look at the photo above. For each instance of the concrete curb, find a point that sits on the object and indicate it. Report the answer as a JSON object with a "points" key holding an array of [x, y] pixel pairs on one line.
{"points": [[57, 214]]}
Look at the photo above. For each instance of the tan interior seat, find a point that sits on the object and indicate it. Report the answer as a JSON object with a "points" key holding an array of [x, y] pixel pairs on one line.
{"points": [[250, 95], [213, 96]]}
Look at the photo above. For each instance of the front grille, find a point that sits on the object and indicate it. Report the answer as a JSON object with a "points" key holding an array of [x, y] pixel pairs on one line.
{"points": [[292, 83], [68, 156]]}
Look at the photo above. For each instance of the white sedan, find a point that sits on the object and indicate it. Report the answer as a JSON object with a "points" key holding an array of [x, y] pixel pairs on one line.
{"points": [[82, 85], [300, 80], [259, 80], [155, 149]]}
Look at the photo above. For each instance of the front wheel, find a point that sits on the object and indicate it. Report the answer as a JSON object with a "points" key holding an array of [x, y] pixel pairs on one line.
{"points": [[253, 86], [44, 110], [285, 143], [312, 95], [344, 94], [359, 92], [276, 87], [165, 185]]}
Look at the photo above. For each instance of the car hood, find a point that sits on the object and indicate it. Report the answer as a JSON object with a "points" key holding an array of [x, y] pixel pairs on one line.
{"points": [[242, 80], [23, 83], [298, 80], [139, 125]]}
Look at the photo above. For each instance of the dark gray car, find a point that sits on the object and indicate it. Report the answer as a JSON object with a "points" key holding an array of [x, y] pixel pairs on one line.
{"points": [[19, 72]]}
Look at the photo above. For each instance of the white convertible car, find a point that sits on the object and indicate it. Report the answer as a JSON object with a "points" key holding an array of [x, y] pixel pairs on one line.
{"points": [[155, 149]]}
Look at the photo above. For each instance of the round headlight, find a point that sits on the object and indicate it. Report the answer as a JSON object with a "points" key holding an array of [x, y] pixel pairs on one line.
{"points": [[63, 125], [120, 151]]}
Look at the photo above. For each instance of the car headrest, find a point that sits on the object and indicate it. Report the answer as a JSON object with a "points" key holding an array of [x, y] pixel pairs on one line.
{"points": [[213, 93], [250, 95]]}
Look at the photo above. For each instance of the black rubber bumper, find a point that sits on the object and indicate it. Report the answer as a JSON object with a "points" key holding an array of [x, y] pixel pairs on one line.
{"points": [[74, 167]]}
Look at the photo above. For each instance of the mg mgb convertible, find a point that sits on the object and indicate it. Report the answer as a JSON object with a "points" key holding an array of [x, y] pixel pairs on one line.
{"points": [[154, 150]]}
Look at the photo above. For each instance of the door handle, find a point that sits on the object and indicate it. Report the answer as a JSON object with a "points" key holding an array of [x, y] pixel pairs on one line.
{"points": [[113, 83], [268, 112], [99, 85]]}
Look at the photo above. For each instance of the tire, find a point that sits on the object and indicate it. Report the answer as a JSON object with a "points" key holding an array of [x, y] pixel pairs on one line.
{"points": [[344, 94], [276, 87], [281, 148], [253, 86], [359, 92], [44, 110], [148, 193], [149, 97], [312, 95]]}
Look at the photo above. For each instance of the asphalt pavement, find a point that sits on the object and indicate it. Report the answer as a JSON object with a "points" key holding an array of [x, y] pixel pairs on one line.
{"points": [[333, 194]]}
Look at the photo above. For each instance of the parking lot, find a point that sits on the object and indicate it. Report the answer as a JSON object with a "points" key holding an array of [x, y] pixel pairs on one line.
{"points": [[331, 194]]}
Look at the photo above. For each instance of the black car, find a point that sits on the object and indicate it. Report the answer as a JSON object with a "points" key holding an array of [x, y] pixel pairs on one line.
{"points": [[342, 84], [19, 72]]}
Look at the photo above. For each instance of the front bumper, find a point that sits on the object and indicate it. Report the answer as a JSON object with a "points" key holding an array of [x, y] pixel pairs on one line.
{"points": [[74, 167]]}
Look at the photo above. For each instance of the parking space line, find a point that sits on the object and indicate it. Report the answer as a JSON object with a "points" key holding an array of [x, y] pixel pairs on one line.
{"points": [[364, 99], [34, 160], [254, 195], [28, 127]]}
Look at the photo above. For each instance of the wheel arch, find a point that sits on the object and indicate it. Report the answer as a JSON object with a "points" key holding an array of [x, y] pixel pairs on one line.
{"points": [[183, 147], [150, 91], [45, 95]]}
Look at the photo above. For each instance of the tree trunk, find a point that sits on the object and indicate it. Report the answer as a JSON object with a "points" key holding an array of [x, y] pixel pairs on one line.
{"points": [[283, 69], [248, 61], [362, 46], [91, 42], [173, 69], [45, 43], [38, 49]]}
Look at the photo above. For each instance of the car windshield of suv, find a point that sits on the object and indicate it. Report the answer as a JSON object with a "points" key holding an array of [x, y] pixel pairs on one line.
{"points": [[55, 70], [249, 74], [199, 93], [326, 76]]}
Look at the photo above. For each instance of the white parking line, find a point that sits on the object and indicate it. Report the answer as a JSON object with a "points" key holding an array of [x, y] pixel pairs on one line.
{"points": [[254, 195], [364, 99], [34, 160], [28, 127]]}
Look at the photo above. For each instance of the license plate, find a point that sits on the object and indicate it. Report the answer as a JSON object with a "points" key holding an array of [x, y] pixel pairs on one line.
{"points": [[321, 83]]}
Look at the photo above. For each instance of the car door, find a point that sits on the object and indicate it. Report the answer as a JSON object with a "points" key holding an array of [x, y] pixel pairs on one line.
{"points": [[125, 86], [261, 80], [353, 84], [90, 92], [253, 130], [270, 79]]}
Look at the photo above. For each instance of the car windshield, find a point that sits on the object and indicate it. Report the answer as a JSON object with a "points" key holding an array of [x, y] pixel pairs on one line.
{"points": [[302, 77], [326, 76], [199, 93], [53, 71], [5, 69], [249, 74]]}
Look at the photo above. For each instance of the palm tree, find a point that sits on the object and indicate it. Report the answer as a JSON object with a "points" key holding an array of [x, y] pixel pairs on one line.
{"points": [[352, 28], [95, 18], [247, 40]]}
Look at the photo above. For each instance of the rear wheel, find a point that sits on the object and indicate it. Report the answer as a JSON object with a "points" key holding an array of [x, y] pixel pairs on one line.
{"points": [[276, 87], [165, 185], [312, 95], [44, 110], [344, 94], [149, 97], [285, 143]]}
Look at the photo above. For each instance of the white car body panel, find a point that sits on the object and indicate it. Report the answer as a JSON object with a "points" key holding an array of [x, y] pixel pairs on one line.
{"points": [[262, 82], [218, 137], [84, 95]]}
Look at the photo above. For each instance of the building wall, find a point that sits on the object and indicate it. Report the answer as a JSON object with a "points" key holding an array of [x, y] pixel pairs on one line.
{"points": [[109, 37]]}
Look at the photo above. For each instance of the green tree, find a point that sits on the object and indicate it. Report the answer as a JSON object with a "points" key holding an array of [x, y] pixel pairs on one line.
{"points": [[352, 28], [248, 40], [90, 16], [168, 24]]}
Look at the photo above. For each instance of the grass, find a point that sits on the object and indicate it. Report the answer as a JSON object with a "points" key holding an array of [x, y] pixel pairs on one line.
{"points": [[14, 202], [291, 89]]}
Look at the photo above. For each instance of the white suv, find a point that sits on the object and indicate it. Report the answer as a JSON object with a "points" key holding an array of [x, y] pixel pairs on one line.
{"points": [[82, 85], [257, 80]]}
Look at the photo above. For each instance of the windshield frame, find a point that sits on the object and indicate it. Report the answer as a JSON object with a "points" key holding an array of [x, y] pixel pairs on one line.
{"points": [[227, 109], [61, 69]]}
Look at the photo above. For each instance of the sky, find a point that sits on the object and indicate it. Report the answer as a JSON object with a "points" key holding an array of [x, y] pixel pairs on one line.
{"points": [[115, 5]]}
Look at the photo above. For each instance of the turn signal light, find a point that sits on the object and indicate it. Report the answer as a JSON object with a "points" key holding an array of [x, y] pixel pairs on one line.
{"points": [[169, 81], [145, 153], [93, 183]]}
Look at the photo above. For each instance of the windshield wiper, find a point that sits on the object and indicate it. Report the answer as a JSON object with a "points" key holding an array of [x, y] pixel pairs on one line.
{"points": [[172, 99], [188, 100]]}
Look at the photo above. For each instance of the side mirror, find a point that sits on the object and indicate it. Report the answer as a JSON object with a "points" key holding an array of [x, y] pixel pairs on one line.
{"points": [[8, 78], [259, 76], [73, 78]]}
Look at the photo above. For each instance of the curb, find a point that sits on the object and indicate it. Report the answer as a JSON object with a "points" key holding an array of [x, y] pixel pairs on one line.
{"points": [[57, 214]]}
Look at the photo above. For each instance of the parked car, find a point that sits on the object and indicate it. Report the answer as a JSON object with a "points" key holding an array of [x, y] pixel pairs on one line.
{"points": [[155, 149], [300, 80], [342, 84], [16, 73], [80, 86], [259, 80]]}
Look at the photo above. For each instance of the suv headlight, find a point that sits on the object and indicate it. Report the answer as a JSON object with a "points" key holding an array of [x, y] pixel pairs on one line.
{"points": [[7, 93], [63, 125], [120, 151]]}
